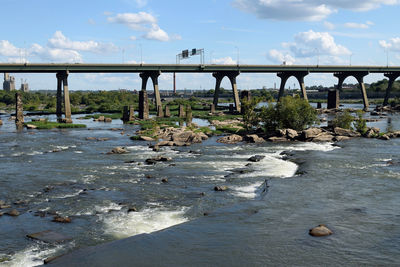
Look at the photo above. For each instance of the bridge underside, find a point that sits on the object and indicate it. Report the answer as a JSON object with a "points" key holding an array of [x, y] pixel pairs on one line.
{"points": [[153, 71]]}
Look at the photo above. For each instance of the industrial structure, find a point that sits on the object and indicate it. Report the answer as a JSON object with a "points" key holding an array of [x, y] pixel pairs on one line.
{"points": [[8, 83]]}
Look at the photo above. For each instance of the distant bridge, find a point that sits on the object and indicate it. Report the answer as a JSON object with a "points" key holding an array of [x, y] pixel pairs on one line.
{"points": [[153, 71]]}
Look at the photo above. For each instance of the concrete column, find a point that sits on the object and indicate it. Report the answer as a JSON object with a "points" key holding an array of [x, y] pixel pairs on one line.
{"points": [[218, 79], [284, 77], [232, 78], [154, 78], [300, 79], [333, 99], [181, 112], [231, 109], [143, 105], [392, 77], [167, 112], [131, 113], [188, 115], [160, 112], [212, 108], [245, 95], [19, 109], [67, 104], [360, 79], [59, 97], [125, 114]]}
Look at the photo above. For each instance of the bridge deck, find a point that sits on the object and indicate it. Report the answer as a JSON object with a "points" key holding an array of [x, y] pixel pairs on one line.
{"points": [[135, 68]]}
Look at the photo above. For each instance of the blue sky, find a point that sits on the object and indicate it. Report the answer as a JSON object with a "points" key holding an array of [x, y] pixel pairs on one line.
{"points": [[334, 32]]}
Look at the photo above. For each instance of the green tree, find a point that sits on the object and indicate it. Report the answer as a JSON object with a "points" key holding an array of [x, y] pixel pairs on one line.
{"points": [[360, 124], [289, 112], [250, 116], [343, 120]]}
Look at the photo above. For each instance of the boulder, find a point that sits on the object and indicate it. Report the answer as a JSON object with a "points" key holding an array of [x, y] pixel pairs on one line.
{"points": [[107, 120], [198, 137], [310, 133], [164, 180], [157, 159], [1, 122], [256, 158], [183, 137], [384, 137], [118, 150], [372, 132], [277, 139], [5, 206], [101, 118], [291, 134], [320, 230], [132, 209], [395, 134], [253, 138], [145, 138], [61, 219], [31, 126], [165, 143], [13, 213], [346, 132], [230, 139], [323, 137], [220, 188]]}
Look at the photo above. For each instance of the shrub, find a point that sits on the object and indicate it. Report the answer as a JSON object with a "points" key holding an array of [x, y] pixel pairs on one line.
{"points": [[289, 112], [360, 124], [343, 120], [250, 116]]}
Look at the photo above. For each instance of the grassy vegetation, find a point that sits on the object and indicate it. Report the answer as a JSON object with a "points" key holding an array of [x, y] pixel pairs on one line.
{"points": [[113, 116], [51, 125]]}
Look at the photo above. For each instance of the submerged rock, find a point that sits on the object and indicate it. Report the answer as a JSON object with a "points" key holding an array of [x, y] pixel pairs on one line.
{"points": [[320, 230], [132, 209], [13, 213], [61, 219], [118, 150], [220, 188], [49, 237], [256, 158]]}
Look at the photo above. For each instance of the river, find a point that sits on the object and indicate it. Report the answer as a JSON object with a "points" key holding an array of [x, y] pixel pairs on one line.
{"points": [[353, 188]]}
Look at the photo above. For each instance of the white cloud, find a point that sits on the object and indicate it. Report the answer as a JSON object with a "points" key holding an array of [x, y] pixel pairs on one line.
{"points": [[354, 25], [55, 54], [312, 43], [59, 41], [133, 38], [329, 26], [143, 22], [280, 58], [7, 49], [136, 21], [224, 61], [141, 3], [308, 10], [155, 33], [393, 44]]}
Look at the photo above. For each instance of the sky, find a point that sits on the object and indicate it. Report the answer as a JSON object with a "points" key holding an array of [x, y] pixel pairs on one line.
{"points": [[300, 32]]}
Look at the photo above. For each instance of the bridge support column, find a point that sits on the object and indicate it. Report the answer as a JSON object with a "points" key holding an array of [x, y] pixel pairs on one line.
{"points": [[299, 75], [154, 77], [359, 75], [232, 78], [62, 85], [392, 77]]}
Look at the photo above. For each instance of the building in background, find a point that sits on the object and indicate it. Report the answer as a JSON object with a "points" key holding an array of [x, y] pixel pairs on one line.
{"points": [[9, 82], [24, 86]]}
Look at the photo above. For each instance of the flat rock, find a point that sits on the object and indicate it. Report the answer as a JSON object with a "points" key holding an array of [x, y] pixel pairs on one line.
{"points": [[323, 137], [310, 133], [230, 139], [346, 132], [49, 237], [320, 230], [31, 126], [145, 138], [13, 213]]}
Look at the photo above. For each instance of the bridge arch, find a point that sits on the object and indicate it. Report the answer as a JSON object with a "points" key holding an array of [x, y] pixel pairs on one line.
{"points": [[219, 76], [143, 100], [392, 78], [299, 75], [359, 76]]}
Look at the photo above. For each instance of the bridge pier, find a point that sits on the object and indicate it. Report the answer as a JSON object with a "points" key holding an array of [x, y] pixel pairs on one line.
{"points": [[232, 78], [392, 77], [154, 77], [299, 75], [359, 75], [62, 85]]}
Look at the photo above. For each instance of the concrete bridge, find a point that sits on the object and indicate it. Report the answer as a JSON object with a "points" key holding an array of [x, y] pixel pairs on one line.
{"points": [[153, 71]]}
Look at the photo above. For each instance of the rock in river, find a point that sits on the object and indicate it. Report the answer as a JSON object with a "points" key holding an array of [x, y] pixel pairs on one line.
{"points": [[256, 158], [230, 139], [320, 230], [118, 150], [220, 188], [60, 219]]}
